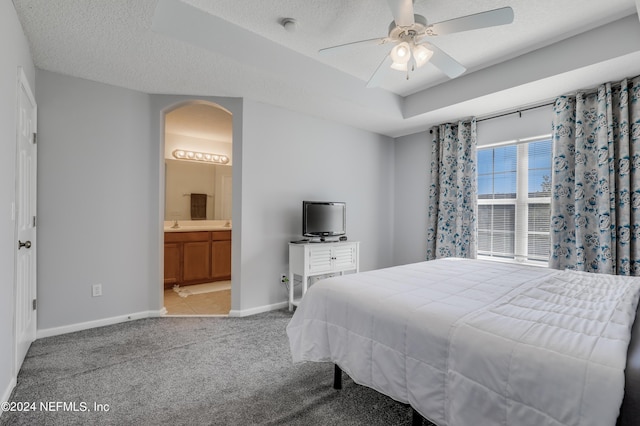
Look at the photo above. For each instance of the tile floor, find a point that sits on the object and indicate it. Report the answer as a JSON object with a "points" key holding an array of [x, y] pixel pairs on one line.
{"points": [[214, 303]]}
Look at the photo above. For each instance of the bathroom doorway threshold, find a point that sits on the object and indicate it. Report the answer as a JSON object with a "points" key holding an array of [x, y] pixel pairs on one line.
{"points": [[211, 299]]}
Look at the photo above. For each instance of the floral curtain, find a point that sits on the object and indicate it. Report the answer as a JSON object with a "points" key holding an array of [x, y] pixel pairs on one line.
{"points": [[595, 208], [452, 196]]}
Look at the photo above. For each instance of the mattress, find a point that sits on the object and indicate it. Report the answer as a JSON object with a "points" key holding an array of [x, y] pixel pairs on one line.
{"points": [[471, 342]]}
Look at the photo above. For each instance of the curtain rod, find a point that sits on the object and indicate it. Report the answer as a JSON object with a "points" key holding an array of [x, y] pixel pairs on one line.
{"points": [[518, 111], [588, 91], [521, 110]]}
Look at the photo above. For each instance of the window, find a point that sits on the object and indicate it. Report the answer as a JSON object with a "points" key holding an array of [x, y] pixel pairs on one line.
{"points": [[514, 195]]}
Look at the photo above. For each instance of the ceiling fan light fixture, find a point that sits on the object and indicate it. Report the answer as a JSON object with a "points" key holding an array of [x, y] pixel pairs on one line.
{"points": [[399, 67], [422, 55], [401, 53]]}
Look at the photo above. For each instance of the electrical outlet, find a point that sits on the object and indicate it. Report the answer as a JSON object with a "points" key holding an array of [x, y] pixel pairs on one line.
{"points": [[96, 290], [284, 278]]}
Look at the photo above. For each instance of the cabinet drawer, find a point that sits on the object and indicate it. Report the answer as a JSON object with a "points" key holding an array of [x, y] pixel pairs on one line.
{"points": [[221, 235], [179, 237]]}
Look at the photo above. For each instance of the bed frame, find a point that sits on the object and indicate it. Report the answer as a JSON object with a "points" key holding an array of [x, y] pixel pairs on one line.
{"points": [[630, 409]]}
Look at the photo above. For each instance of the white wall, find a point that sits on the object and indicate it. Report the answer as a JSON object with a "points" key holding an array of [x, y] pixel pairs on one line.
{"points": [[97, 202], [15, 53], [289, 157]]}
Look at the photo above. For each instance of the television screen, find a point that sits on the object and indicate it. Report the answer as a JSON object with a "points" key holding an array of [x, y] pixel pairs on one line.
{"points": [[323, 218]]}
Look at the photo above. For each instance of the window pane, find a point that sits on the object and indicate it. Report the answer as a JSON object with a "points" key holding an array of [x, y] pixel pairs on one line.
{"points": [[540, 155], [485, 186], [484, 217], [538, 247], [504, 218], [539, 217], [484, 241], [505, 185], [496, 230], [498, 176], [540, 168], [505, 159], [539, 183], [503, 243], [485, 161]]}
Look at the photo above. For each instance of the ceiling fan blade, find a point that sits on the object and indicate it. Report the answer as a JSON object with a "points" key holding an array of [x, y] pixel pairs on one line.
{"points": [[490, 18], [338, 48], [444, 62], [402, 11], [380, 72]]}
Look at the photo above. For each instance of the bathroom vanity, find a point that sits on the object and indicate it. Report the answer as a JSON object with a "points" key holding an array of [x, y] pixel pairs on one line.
{"points": [[194, 256]]}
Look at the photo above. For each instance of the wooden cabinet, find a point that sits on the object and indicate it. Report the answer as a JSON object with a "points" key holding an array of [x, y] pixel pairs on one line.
{"points": [[197, 261], [172, 263], [196, 257], [220, 255]]}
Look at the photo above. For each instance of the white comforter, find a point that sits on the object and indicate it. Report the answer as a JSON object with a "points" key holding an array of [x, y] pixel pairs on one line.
{"points": [[469, 342]]}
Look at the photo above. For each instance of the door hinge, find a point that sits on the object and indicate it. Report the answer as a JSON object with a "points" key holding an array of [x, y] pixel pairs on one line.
{"points": [[34, 304], [34, 221], [34, 139]]}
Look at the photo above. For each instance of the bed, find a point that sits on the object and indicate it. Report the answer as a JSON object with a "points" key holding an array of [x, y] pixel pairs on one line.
{"points": [[473, 342]]}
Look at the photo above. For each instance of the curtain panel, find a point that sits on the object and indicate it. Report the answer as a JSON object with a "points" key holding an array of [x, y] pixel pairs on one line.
{"points": [[452, 219], [595, 207]]}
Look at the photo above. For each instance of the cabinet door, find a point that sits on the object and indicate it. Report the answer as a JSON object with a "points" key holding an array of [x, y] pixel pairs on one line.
{"points": [[221, 260], [344, 257], [320, 259], [197, 261], [172, 256]]}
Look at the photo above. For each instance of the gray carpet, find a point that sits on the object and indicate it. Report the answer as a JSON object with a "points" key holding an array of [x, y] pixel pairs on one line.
{"points": [[189, 371]]}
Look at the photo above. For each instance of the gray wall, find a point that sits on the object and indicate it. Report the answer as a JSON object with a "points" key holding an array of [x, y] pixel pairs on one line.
{"points": [[15, 53], [412, 180], [101, 201], [96, 196], [289, 157]]}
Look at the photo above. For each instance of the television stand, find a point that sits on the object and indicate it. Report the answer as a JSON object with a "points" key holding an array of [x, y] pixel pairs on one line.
{"points": [[311, 259]]}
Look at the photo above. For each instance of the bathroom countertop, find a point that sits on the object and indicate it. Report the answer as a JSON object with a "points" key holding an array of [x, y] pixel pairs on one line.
{"points": [[194, 226], [197, 228]]}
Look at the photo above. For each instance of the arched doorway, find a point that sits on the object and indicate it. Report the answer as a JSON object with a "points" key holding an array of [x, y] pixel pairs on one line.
{"points": [[197, 212]]}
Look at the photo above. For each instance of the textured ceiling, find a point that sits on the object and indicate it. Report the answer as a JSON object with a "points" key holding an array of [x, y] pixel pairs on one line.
{"points": [[238, 48]]}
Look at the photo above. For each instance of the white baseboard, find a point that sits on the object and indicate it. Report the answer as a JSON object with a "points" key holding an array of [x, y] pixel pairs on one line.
{"points": [[7, 392], [258, 310], [55, 331]]}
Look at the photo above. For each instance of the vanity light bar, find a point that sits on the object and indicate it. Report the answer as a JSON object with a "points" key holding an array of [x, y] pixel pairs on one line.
{"points": [[182, 154]]}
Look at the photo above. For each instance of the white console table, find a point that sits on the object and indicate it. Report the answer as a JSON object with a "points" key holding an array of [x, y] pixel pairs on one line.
{"points": [[310, 259]]}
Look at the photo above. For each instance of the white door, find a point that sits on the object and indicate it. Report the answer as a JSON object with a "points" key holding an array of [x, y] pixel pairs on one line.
{"points": [[25, 208]]}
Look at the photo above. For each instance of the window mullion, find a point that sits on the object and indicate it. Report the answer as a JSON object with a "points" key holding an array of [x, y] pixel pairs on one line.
{"points": [[522, 211]]}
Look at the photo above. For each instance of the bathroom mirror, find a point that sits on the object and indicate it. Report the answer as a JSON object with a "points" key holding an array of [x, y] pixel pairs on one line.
{"points": [[189, 183]]}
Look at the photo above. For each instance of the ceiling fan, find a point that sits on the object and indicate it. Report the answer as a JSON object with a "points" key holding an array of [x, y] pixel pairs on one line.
{"points": [[409, 32]]}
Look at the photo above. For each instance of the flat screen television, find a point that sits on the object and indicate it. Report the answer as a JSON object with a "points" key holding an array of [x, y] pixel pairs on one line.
{"points": [[324, 218]]}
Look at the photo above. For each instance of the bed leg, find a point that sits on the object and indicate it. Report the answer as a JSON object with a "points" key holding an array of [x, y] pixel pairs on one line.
{"points": [[416, 418], [337, 377]]}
